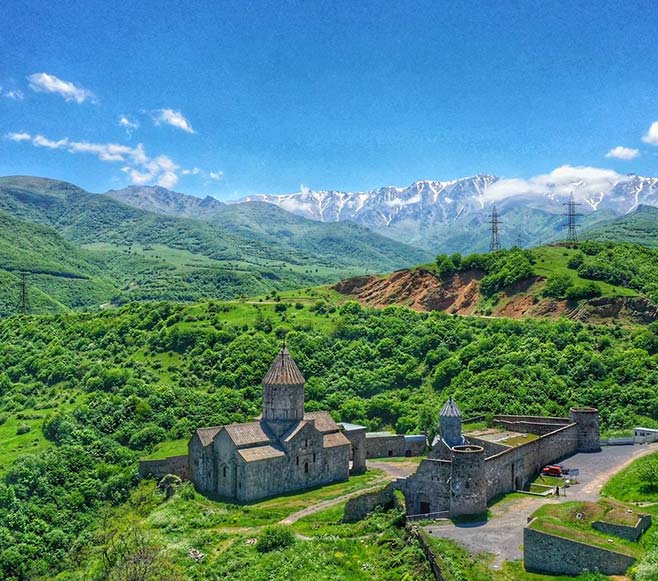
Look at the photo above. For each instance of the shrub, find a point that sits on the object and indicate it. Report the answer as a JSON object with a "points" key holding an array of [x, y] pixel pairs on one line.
{"points": [[23, 429], [275, 537]]}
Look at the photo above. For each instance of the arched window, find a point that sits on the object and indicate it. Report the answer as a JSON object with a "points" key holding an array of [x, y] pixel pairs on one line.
{"points": [[306, 467], [313, 456], [305, 443], [224, 469], [297, 460]]}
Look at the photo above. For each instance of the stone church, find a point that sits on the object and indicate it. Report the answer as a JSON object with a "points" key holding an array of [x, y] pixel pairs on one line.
{"points": [[285, 450]]}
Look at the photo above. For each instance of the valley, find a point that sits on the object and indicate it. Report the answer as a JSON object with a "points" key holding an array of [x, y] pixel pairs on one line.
{"points": [[84, 250]]}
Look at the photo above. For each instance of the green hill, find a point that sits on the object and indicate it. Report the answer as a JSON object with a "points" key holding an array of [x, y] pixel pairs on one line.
{"points": [[83, 396], [639, 227], [590, 281], [132, 254]]}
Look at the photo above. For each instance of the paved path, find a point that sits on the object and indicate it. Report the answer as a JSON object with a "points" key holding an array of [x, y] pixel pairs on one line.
{"points": [[392, 470], [502, 534]]}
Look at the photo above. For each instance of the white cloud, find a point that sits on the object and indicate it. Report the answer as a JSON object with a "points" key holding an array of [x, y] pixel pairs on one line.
{"points": [[137, 164], [45, 83], [621, 152], [304, 189], [140, 167], [41, 141], [173, 118], [652, 135], [128, 124], [16, 95], [18, 136], [586, 184]]}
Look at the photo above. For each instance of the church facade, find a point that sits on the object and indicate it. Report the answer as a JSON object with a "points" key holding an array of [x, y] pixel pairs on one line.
{"points": [[285, 450]]}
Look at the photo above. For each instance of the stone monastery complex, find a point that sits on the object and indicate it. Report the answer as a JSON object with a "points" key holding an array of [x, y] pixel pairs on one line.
{"points": [[288, 449]]}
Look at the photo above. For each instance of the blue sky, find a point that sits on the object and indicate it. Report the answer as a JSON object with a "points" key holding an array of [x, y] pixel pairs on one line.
{"points": [[235, 98]]}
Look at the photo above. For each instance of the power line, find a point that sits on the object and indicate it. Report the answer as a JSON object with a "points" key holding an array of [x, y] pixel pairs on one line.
{"points": [[571, 214], [495, 238]]}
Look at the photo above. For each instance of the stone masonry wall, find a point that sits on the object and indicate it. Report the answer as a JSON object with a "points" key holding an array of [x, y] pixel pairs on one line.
{"points": [[177, 465], [550, 554], [524, 427], [392, 445], [532, 419], [263, 479], [429, 484], [358, 507], [632, 533], [515, 467]]}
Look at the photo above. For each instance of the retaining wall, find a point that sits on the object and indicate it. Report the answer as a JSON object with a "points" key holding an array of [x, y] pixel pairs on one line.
{"points": [[632, 533], [420, 536], [545, 553], [358, 507], [177, 465]]}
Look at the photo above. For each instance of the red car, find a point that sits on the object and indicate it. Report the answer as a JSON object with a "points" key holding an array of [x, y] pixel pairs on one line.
{"points": [[552, 471]]}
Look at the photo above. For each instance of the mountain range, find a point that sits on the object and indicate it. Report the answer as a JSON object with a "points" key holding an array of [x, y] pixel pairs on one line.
{"points": [[83, 250], [453, 215]]}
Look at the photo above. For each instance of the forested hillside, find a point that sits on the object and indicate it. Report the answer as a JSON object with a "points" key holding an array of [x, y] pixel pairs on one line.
{"points": [[132, 254], [85, 395], [589, 281], [639, 227]]}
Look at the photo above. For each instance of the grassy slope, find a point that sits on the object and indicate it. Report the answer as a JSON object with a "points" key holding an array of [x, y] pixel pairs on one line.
{"points": [[167, 370], [627, 486], [326, 549], [639, 227], [142, 255]]}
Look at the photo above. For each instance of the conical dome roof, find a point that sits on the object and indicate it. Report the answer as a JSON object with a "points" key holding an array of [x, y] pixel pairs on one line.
{"points": [[450, 410], [284, 371]]}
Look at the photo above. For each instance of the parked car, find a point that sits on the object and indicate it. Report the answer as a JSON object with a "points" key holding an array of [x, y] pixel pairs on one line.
{"points": [[552, 470]]}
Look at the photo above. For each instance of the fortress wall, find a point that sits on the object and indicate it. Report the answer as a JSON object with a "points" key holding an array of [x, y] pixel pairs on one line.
{"points": [[546, 553], [532, 419], [526, 427], [516, 467], [177, 465], [490, 448], [429, 484]]}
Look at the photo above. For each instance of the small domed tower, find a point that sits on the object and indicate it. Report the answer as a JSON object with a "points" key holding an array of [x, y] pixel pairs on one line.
{"points": [[450, 424], [589, 434], [468, 483], [283, 393]]}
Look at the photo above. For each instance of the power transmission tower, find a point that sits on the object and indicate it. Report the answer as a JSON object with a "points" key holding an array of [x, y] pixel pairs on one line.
{"points": [[571, 214], [24, 302], [495, 238]]}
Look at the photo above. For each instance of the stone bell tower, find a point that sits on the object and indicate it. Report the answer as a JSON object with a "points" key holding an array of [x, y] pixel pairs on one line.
{"points": [[283, 393], [450, 424]]}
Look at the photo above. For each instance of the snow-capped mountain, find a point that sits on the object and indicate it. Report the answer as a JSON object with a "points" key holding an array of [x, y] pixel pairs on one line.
{"points": [[452, 214], [434, 200]]}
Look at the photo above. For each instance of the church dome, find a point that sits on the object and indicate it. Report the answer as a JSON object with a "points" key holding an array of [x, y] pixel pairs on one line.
{"points": [[284, 371]]}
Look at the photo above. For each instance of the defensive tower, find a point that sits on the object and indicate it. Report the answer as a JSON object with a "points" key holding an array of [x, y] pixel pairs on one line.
{"points": [[589, 434], [468, 483]]}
